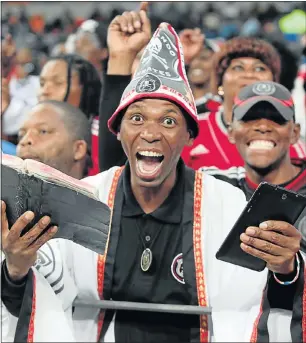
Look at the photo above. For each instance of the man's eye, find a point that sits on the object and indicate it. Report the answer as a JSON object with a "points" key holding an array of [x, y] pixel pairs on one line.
{"points": [[169, 121], [43, 132], [137, 118]]}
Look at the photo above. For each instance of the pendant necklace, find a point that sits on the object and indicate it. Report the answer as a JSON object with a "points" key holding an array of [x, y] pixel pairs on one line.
{"points": [[147, 256]]}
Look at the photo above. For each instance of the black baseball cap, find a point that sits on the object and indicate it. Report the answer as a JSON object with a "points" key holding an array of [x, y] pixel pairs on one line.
{"points": [[264, 91]]}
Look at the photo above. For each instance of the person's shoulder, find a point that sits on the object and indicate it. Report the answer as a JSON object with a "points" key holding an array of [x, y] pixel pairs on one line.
{"points": [[231, 175], [102, 181], [222, 186], [101, 177]]}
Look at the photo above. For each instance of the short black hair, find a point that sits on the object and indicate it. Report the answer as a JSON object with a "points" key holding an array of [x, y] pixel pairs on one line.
{"points": [[89, 79], [77, 125]]}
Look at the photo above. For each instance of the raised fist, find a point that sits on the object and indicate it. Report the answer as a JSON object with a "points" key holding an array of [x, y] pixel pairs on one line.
{"points": [[130, 32], [192, 41]]}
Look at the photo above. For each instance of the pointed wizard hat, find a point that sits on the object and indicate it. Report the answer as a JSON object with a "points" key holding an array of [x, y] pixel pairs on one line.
{"points": [[160, 74]]}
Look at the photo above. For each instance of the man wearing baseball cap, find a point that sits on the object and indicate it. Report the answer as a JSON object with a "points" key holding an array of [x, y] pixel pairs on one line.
{"points": [[263, 128], [168, 222]]}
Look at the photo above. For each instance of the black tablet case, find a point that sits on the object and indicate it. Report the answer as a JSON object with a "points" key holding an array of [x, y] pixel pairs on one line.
{"points": [[80, 218]]}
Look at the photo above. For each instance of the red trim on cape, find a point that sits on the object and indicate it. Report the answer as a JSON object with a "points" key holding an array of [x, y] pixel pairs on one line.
{"points": [[304, 309], [102, 258], [198, 256], [31, 330], [255, 326]]}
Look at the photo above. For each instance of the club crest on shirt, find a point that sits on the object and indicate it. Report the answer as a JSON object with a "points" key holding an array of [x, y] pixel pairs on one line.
{"points": [[177, 268]]}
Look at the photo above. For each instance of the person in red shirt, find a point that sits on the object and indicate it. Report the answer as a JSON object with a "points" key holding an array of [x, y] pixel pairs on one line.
{"points": [[72, 79], [241, 61]]}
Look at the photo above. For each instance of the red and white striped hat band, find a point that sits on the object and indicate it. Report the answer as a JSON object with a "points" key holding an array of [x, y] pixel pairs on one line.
{"points": [[160, 74]]}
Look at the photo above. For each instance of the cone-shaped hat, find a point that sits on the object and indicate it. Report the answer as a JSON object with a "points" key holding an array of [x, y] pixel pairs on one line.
{"points": [[160, 74]]}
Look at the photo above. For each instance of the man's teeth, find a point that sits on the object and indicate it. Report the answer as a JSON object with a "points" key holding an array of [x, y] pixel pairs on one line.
{"points": [[150, 154], [261, 144]]}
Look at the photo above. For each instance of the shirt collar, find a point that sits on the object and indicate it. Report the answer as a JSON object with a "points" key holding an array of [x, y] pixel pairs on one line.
{"points": [[172, 208]]}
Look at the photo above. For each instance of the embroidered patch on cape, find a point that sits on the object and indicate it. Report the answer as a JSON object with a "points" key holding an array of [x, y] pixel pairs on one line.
{"points": [[177, 268]]}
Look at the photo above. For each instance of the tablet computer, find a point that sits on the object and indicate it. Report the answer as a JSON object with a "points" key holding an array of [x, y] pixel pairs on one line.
{"points": [[269, 202]]}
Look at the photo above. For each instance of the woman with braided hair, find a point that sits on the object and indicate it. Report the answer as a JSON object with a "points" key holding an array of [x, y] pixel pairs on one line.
{"points": [[241, 61], [72, 79]]}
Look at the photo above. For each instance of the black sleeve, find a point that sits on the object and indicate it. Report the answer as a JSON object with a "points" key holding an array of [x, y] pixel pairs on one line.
{"points": [[281, 296], [110, 150], [12, 292]]}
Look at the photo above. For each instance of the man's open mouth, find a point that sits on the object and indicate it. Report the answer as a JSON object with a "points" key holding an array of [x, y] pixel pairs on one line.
{"points": [[149, 162]]}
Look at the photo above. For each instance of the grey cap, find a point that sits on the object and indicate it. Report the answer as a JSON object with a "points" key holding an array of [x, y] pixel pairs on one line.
{"points": [[264, 91]]}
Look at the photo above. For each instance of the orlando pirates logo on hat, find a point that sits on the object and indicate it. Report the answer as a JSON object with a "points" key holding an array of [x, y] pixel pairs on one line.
{"points": [[148, 83], [264, 88]]}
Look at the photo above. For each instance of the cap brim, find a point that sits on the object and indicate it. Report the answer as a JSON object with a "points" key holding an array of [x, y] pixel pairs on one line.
{"points": [[241, 110]]}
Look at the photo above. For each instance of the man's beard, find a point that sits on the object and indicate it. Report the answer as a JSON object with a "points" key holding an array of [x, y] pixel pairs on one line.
{"points": [[263, 171]]}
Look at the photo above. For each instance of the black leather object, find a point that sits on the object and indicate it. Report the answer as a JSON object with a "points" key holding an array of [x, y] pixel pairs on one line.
{"points": [[80, 219]]}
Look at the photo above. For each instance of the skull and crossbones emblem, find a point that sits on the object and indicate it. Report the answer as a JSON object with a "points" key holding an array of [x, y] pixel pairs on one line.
{"points": [[154, 48], [147, 86], [149, 83]]}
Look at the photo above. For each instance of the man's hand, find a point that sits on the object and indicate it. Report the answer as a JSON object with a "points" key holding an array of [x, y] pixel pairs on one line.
{"points": [[275, 242], [5, 95], [127, 34], [192, 42], [20, 252]]}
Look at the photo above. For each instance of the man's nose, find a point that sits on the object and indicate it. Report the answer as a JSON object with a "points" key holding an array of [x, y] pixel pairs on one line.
{"points": [[27, 139], [151, 133], [263, 125], [45, 90]]}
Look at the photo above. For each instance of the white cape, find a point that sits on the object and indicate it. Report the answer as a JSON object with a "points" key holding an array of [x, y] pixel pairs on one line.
{"points": [[234, 293]]}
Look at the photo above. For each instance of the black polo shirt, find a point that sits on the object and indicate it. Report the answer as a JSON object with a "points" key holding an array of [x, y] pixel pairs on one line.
{"points": [[164, 282]]}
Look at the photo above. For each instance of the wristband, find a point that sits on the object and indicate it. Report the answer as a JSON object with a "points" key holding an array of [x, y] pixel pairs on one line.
{"points": [[287, 283]]}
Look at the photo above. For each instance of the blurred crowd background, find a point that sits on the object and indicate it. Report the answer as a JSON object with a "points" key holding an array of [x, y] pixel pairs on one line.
{"points": [[47, 28]]}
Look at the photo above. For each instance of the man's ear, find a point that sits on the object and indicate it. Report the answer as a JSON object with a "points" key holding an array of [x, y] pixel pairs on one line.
{"points": [[296, 133], [230, 130], [190, 139], [79, 150]]}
